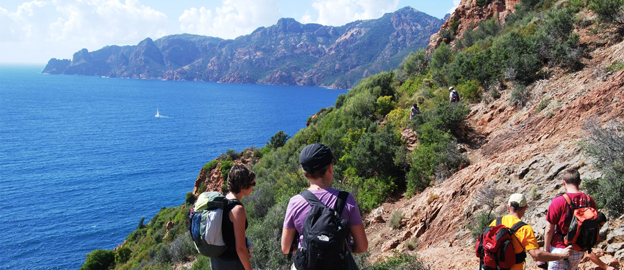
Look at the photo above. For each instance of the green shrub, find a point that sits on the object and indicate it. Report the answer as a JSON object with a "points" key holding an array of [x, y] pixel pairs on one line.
{"points": [[384, 105], [615, 66], [141, 226], [412, 244], [225, 167], [278, 140], [395, 219], [479, 223], [265, 234], [470, 90], [453, 26], [257, 153], [99, 259], [232, 155], [435, 156], [122, 255], [340, 101], [607, 146], [202, 263], [519, 96], [159, 235], [371, 192], [160, 254], [444, 116], [482, 3], [181, 247], [398, 261], [415, 63], [211, 165], [190, 198], [542, 105], [607, 10]]}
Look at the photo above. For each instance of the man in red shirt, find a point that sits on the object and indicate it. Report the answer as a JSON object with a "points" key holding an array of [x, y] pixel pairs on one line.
{"points": [[559, 222]]}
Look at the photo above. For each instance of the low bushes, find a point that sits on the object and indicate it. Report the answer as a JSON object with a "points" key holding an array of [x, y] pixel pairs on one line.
{"points": [[607, 146]]}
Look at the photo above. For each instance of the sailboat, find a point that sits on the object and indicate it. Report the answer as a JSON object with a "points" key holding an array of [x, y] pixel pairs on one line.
{"points": [[157, 114]]}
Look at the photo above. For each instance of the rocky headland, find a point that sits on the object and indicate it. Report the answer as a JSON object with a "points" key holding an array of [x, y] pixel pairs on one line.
{"points": [[287, 53]]}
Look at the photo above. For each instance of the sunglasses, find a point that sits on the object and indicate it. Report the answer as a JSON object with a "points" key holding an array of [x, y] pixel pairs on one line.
{"points": [[253, 184]]}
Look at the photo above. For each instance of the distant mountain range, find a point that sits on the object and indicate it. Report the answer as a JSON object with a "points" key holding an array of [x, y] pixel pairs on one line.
{"points": [[288, 53]]}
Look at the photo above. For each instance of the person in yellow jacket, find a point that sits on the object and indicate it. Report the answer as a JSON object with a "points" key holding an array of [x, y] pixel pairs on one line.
{"points": [[524, 239]]}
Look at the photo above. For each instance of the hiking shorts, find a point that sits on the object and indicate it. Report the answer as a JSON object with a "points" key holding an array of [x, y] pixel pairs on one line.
{"points": [[571, 264]]}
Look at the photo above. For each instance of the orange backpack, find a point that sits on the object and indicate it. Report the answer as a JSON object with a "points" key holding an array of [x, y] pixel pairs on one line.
{"points": [[583, 232]]}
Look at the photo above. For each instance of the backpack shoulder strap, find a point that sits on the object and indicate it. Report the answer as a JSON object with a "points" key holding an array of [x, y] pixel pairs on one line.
{"points": [[517, 226], [499, 221], [514, 229], [229, 205], [341, 202], [311, 198], [568, 200]]}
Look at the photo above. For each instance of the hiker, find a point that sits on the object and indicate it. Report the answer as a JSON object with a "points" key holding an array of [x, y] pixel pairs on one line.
{"points": [[559, 219], [316, 162], [453, 95], [240, 182], [523, 238], [414, 111]]}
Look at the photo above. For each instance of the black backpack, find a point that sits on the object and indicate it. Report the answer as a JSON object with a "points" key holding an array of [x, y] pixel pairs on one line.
{"points": [[325, 232]]}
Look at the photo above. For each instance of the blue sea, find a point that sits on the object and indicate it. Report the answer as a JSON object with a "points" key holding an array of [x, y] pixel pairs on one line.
{"points": [[83, 159]]}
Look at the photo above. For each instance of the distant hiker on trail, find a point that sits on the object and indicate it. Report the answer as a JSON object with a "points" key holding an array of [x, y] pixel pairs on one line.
{"points": [[453, 95], [523, 239], [323, 244], [561, 213], [240, 182], [414, 111]]}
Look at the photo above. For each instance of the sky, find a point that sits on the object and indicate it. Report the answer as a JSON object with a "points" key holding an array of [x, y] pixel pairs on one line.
{"points": [[32, 32]]}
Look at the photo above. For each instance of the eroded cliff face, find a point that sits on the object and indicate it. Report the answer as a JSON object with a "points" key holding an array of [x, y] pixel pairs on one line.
{"points": [[516, 150], [469, 13]]}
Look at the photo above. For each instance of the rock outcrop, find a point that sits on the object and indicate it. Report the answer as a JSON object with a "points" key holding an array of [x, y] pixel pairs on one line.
{"points": [[288, 53], [469, 13]]}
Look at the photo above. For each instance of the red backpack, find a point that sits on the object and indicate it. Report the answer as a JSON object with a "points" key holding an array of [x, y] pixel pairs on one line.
{"points": [[583, 232], [494, 247]]}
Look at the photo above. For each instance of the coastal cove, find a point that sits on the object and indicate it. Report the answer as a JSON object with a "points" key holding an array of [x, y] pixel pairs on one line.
{"points": [[83, 158]]}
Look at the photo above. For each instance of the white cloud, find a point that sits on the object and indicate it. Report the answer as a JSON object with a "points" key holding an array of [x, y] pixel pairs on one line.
{"points": [[234, 18], [79, 23], [106, 22], [26, 23], [39, 30], [455, 5], [340, 12]]}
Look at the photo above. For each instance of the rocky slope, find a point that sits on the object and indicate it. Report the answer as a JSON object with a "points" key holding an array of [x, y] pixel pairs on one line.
{"points": [[288, 53], [468, 14], [513, 149]]}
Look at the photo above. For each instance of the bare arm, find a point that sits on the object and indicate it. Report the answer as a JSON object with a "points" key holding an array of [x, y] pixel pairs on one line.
{"points": [[548, 236], [238, 217], [287, 237], [594, 258], [543, 256], [359, 238]]}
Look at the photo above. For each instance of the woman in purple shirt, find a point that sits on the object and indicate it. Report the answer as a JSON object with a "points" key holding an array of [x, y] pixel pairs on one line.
{"points": [[316, 162]]}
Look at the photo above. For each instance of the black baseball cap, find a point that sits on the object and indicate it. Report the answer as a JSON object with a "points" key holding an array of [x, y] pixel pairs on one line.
{"points": [[315, 156]]}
